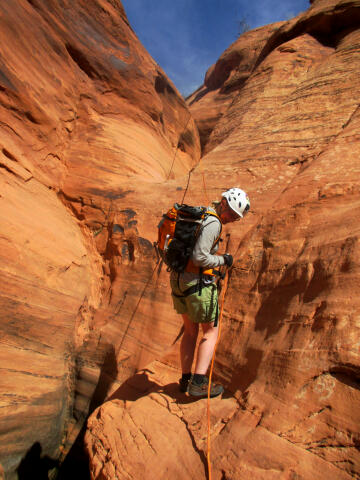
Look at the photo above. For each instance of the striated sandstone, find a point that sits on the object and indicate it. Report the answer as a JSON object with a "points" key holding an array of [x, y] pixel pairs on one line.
{"points": [[89, 128], [225, 78], [289, 352], [324, 21]]}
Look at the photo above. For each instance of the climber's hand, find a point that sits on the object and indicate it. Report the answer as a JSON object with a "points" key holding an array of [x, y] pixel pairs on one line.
{"points": [[228, 259]]}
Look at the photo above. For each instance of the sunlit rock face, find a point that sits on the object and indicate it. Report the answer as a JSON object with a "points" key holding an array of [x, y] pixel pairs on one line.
{"points": [[89, 130], [225, 78], [288, 134]]}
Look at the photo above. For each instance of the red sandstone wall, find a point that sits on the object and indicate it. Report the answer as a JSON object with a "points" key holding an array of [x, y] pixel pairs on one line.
{"points": [[89, 127], [289, 351]]}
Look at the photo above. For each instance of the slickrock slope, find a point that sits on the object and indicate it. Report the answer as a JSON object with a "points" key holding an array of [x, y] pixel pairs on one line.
{"points": [[89, 126], [224, 79], [289, 352]]}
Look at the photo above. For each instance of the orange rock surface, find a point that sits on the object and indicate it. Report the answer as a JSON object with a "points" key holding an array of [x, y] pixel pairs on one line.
{"points": [[224, 79], [289, 350], [89, 129], [96, 143]]}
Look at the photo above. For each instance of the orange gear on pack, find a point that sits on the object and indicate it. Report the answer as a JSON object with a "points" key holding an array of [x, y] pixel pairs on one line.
{"points": [[177, 234], [166, 229]]}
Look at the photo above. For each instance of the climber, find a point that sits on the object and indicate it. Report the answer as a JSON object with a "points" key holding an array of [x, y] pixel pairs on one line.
{"points": [[199, 305]]}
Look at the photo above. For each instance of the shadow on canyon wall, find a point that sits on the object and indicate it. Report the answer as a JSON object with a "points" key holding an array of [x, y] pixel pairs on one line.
{"points": [[76, 464], [35, 466]]}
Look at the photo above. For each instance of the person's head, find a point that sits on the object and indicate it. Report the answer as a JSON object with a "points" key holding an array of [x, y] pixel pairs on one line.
{"points": [[234, 205]]}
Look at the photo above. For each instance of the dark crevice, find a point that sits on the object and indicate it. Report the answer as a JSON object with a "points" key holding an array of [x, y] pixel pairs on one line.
{"points": [[326, 27], [186, 138], [76, 214], [31, 117], [82, 62], [111, 195], [199, 95], [235, 85], [201, 453], [347, 374], [75, 465], [223, 68], [9, 155], [67, 200], [162, 86], [131, 248], [7, 169]]}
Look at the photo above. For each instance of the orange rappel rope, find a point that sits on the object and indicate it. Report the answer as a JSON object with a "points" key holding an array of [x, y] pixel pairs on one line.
{"points": [[223, 292]]}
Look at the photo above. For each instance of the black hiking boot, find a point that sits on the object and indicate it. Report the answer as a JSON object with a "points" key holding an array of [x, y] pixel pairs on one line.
{"points": [[184, 384], [201, 390]]}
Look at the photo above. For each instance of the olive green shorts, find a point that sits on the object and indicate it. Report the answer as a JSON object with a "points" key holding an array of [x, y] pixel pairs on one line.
{"points": [[200, 308]]}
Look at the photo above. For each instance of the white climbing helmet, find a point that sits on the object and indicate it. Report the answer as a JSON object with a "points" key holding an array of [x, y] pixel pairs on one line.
{"points": [[237, 200]]}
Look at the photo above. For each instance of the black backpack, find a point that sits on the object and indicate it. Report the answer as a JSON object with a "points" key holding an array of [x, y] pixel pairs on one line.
{"points": [[178, 232]]}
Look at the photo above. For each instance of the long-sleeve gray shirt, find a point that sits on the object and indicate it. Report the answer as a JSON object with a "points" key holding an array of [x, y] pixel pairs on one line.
{"points": [[204, 250]]}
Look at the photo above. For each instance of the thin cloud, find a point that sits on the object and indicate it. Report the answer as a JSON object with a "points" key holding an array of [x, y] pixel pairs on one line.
{"points": [[264, 12]]}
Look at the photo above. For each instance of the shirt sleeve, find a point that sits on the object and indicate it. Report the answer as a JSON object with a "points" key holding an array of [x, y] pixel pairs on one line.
{"points": [[202, 256]]}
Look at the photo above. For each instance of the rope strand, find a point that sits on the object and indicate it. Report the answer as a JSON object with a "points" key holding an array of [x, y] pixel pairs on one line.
{"points": [[222, 301], [223, 292], [177, 146], [135, 310], [187, 185]]}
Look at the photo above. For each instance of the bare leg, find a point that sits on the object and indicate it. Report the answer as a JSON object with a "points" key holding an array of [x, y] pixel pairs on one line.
{"points": [[206, 347], [188, 344]]}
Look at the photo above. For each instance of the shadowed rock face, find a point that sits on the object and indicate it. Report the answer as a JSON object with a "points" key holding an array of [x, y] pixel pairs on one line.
{"points": [[89, 128], [289, 353]]}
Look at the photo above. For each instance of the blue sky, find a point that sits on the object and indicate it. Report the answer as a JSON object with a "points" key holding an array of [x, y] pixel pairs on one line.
{"points": [[185, 37]]}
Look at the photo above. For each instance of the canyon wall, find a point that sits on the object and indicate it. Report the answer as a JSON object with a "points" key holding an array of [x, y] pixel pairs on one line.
{"points": [[96, 143], [279, 116], [90, 125]]}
